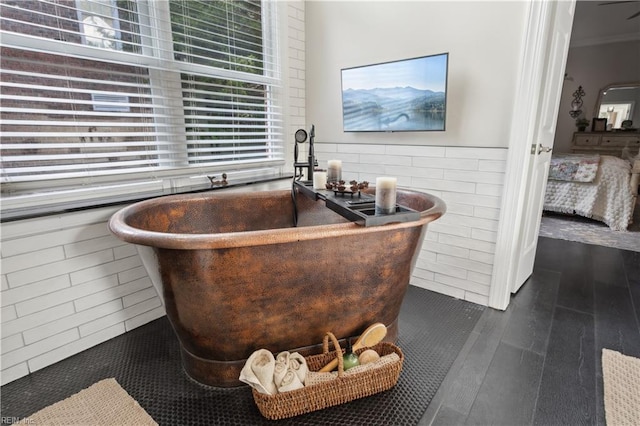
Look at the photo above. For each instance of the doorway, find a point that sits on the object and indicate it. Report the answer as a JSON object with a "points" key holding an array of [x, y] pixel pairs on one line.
{"points": [[601, 33], [531, 139]]}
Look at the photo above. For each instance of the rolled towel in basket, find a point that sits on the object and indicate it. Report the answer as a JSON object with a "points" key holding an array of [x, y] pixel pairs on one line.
{"points": [[290, 382], [282, 365], [299, 365], [258, 372]]}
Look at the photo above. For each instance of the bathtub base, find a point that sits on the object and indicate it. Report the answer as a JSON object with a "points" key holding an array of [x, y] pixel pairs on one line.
{"points": [[225, 374]]}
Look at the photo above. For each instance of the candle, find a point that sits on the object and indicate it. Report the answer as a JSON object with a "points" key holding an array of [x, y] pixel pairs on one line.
{"points": [[334, 170], [386, 195], [319, 179]]}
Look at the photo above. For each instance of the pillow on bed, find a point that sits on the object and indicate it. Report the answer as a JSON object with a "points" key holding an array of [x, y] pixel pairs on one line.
{"points": [[574, 167]]}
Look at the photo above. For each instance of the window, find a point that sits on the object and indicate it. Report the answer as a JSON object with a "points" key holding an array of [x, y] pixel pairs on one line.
{"points": [[98, 92], [99, 23]]}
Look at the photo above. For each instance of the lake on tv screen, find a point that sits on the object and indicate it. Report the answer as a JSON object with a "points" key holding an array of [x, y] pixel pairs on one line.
{"points": [[393, 109]]}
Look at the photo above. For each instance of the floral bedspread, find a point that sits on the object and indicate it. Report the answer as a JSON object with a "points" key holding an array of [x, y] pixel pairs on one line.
{"points": [[608, 198], [574, 167]]}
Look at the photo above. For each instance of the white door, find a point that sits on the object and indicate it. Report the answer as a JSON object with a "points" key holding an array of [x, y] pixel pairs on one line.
{"points": [[544, 129]]}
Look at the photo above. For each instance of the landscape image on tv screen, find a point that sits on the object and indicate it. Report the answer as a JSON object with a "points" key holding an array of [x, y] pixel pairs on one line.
{"points": [[405, 95]]}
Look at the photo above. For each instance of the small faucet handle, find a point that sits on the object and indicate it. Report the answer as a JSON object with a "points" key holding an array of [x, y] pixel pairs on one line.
{"points": [[222, 182]]}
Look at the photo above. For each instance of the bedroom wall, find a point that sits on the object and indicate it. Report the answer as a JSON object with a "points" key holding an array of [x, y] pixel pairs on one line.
{"points": [[465, 165], [594, 67]]}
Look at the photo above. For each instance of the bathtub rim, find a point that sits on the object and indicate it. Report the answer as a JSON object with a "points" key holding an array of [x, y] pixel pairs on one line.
{"points": [[181, 241]]}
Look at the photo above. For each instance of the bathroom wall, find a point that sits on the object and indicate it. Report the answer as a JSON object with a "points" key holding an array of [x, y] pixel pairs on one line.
{"points": [[68, 284], [465, 165], [483, 62], [457, 255]]}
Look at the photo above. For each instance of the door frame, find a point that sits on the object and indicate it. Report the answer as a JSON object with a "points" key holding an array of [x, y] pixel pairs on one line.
{"points": [[540, 26]]}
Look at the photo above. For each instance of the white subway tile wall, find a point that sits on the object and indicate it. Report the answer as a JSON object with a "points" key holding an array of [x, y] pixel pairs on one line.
{"points": [[68, 284], [296, 110], [457, 255]]}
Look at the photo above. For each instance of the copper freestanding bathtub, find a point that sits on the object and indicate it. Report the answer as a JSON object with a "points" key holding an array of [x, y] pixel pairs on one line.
{"points": [[237, 275]]}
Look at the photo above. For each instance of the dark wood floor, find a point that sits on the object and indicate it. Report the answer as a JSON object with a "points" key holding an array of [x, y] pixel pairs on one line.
{"points": [[539, 362]]}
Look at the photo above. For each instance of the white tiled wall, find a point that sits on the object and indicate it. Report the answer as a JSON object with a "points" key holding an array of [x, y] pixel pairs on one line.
{"points": [[458, 253], [68, 284], [296, 111]]}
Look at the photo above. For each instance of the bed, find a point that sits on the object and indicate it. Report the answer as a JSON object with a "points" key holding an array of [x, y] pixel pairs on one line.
{"points": [[600, 187]]}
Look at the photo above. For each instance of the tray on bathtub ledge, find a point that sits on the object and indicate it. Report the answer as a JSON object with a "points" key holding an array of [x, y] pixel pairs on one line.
{"points": [[359, 209]]}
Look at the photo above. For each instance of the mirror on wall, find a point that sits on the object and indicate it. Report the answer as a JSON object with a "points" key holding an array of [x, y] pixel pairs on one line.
{"points": [[620, 104]]}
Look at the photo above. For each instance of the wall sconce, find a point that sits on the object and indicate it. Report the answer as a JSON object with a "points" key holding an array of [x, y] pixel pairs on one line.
{"points": [[576, 104]]}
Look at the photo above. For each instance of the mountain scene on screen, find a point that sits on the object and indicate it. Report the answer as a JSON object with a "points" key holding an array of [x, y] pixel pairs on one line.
{"points": [[393, 109]]}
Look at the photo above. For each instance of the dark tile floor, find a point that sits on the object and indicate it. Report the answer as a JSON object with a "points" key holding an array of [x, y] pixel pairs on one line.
{"points": [[539, 362], [536, 363], [433, 328]]}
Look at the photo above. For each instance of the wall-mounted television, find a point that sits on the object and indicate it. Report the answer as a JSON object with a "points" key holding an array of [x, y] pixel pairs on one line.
{"points": [[408, 95]]}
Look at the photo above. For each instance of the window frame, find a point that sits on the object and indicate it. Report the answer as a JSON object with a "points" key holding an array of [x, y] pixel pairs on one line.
{"points": [[21, 199]]}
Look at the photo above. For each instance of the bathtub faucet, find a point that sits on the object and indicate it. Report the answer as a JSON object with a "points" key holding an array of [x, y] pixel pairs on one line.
{"points": [[312, 154], [301, 137]]}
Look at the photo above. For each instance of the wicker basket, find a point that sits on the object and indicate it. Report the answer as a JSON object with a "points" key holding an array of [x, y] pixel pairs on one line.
{"points": [[343, 389]]}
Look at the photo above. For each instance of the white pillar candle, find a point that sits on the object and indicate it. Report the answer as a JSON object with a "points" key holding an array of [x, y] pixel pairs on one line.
{"points": [[334, 170], [319, 179], [386, 195]]}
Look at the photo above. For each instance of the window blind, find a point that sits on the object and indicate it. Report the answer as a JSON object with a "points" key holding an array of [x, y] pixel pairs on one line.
{"points": [[98, 89]]}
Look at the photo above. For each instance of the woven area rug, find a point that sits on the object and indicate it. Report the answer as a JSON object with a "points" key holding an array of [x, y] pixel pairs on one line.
{"points": [[588, 231], [621, 375], [104, 403]]}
